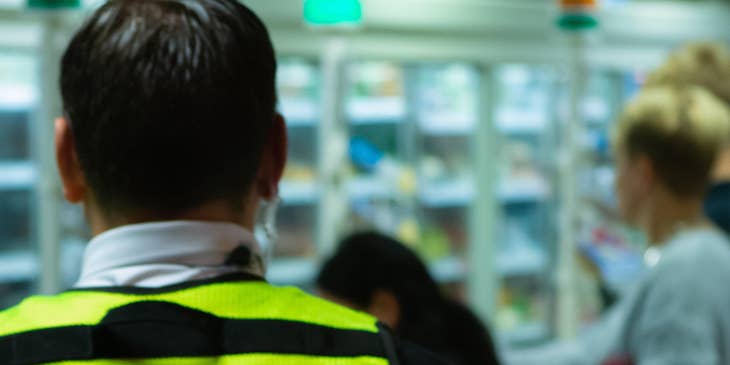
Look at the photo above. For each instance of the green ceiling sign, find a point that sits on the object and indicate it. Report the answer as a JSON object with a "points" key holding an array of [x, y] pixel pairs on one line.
{"points": [[332, 12], [54, 4], [577, 22]]}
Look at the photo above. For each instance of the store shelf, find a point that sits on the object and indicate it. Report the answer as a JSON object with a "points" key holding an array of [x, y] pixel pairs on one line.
{"points": [[527, 333], [304, 271], [292, 272], [458, 192], [18, 267], [299, 193], [17, 97], [368, 187], [520, 122], [462, 192], [17, 175], [596, 111], [521, 261], [381, 110], [448, 270], [518, 190], [447, 124], [300, 112]]}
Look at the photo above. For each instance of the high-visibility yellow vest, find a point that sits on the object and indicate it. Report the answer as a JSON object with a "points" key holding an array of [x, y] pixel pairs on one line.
{"points": [[226, 321]]}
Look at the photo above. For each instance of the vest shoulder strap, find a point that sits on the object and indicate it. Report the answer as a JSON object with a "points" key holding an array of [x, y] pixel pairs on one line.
{"points": [[149, 329], [240, 300]]}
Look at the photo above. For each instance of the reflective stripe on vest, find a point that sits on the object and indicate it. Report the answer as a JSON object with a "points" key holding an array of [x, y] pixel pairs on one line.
{"points": [[220, 323]]}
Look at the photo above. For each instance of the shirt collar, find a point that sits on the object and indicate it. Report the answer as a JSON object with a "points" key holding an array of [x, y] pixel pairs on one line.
{"points": [[674, 246], [187, 243]]}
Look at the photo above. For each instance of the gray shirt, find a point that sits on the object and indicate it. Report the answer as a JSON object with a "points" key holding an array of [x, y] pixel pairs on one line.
{"points": [[678, 314]]}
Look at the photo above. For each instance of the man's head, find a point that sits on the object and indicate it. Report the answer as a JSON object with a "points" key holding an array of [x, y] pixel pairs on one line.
{"points": [[170, 106]]}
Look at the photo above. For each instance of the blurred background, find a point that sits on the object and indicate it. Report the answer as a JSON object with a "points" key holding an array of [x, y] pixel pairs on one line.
{"points": [[476, 131]]}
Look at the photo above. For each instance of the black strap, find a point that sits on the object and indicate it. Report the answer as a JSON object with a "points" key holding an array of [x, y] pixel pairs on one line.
{"points": [[241, 256], [146, 330], [390, 344]]}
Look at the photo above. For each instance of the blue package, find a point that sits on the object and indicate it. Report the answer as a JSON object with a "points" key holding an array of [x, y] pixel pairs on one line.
{"points": [[364, 154]]}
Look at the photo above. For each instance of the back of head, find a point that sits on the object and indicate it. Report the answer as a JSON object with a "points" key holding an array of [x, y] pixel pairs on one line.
{"points": [[704, 64], [680, 129], [368, 262], [169, 102]]}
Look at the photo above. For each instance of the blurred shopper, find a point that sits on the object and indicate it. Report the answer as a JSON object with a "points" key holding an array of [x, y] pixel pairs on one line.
{"points": [[666, 144], [706, 65], [171, 141], [376, 274]]}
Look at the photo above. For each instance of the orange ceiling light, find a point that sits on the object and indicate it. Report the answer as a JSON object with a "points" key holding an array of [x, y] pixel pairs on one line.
{"points": [[579, 3], [578, 15]]}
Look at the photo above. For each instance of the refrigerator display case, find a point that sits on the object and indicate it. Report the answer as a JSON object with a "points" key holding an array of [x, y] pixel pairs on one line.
{"points": [[380, 179], [411, 130], [526, 176], [18, 253], [294, 256], [608, 249], [298, 86], [447, 110]]}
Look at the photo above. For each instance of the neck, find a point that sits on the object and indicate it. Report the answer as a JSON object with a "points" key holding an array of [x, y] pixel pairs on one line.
{"points": [[220, 212], [670, 214], [721, 171]]}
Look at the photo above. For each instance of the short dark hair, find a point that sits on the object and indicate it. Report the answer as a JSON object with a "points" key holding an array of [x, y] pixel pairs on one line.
{"points": [[170, 102]]}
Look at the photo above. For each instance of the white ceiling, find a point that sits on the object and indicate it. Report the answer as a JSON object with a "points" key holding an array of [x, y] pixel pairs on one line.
{"points": [[652, 21]]}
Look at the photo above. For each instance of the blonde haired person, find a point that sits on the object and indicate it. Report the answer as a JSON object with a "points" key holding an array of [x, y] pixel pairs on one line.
{"points": [[705, 64], [666, 144]]}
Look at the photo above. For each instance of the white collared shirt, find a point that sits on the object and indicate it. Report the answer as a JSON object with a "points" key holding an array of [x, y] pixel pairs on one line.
{"points": [[165, 253]]}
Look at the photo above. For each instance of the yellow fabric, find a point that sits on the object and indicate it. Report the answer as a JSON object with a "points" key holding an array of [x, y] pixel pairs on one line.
{"points": [[235, 300], [256, 359]]}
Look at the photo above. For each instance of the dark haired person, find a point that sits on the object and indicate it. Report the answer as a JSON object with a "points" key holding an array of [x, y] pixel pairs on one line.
{"points": [[379, 275], [171, 141]]}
